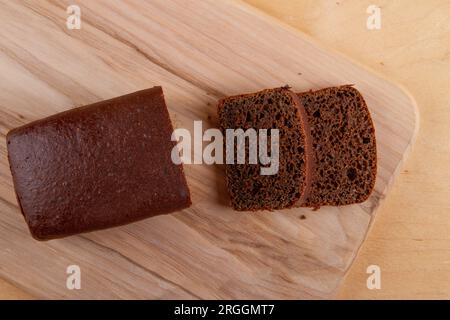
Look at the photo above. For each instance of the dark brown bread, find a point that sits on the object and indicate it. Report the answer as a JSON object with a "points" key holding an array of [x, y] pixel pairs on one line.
{"points": [[97, 166], [343, 138], [269, 109]]}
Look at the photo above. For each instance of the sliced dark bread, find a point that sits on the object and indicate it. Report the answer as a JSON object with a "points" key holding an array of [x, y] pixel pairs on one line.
{"points": [[344, 146], [269, 109]]}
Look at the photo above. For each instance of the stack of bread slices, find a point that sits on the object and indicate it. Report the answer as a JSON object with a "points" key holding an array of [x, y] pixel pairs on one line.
{"points": [[327, 148]]}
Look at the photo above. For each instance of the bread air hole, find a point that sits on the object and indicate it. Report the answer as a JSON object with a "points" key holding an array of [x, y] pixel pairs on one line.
{"points": [[316, 114], [351, 174]]}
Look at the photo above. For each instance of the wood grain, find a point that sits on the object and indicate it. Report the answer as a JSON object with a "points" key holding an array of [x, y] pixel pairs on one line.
{"points": [[199, 52], [410, 239]]}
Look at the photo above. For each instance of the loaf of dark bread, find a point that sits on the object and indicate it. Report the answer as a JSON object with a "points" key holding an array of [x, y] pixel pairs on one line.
{"points": [[344, 146], [269, 109], [97, 166]]}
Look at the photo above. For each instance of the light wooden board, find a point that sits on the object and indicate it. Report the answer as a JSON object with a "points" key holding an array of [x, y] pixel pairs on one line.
{"points": [[198, 51]]}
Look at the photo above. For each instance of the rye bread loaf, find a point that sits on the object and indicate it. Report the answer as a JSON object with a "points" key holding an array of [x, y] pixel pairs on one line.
{"points": [[344, 146], [269, 109], [97, 166]]}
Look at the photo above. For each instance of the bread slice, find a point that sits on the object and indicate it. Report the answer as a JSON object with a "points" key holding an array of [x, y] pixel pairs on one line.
{"points": [[269, 109], [344, 146]]}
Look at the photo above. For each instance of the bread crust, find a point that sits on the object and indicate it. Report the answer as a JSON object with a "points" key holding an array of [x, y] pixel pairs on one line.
{"points": [[309, 163]]}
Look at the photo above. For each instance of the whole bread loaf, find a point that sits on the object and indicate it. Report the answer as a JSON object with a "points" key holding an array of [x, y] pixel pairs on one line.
{"points": [[97, 166]]}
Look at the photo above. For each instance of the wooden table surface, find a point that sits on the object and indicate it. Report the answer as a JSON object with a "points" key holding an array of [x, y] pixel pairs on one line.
{"points": [[410, 239]]}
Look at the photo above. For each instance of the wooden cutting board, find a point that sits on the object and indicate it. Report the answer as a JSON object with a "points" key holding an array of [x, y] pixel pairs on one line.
{"points": [[199, 51]]}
